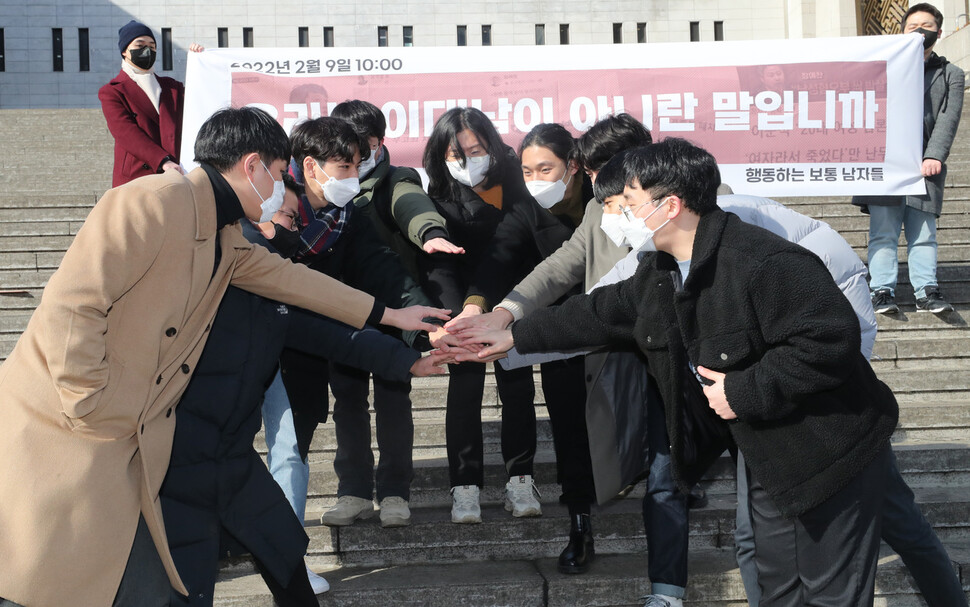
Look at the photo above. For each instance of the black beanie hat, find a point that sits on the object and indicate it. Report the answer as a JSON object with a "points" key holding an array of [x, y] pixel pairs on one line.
{"points": [[130, 31]]}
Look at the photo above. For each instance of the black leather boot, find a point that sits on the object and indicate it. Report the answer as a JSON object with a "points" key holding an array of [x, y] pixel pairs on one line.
{"points": [[578, 554]]}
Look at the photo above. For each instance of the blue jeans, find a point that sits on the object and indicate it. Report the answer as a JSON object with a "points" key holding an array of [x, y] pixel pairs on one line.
{"points": [[288, 468], [904, 528], [885, 224], [664, 512]]}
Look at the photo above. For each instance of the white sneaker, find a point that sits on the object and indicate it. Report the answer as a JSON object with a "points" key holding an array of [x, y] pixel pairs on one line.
{"points": [[395, 512], [347, 510], [318, 584], [662, 600], [520, 496], [465, 507]]}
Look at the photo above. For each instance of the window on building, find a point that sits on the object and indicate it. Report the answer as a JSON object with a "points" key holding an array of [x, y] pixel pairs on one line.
{"points": [[408, 32], [328, 36], [486, 35], [462, 35], [166, 48], [3, 61], [303, 35], [617, 33], [83, 50], [563, 33], [695, 31], [641, 33], [222, 37], [381, 35], [248, 37], [57, 50], [540, 34], [719, 30]]}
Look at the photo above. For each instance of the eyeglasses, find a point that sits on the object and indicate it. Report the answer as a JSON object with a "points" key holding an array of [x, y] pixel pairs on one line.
{"points": [[630, 212]]}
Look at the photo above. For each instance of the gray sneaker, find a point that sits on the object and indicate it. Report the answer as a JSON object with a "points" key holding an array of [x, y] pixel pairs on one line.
{"points": [[883, 302], [347, 510], [465, 507], [932, 301], [395, 512]]}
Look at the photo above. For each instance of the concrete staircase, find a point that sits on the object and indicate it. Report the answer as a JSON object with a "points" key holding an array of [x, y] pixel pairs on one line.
{"points": [[55, 164]]}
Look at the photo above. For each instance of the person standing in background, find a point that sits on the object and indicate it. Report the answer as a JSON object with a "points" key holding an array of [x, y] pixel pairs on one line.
{"points": [[888, 215], [143, 110]]}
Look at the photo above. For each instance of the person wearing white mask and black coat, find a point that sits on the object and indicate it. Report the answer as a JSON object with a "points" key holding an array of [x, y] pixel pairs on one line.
{"points": [[531, 229], [341, 243], [473, 177]]}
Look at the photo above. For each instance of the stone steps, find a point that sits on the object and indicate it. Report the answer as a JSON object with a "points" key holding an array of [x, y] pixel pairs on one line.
{"points": [[613, 581]]}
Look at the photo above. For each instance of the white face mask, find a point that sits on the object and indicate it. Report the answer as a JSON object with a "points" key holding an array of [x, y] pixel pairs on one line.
{"points": [[338, 191], [548, 193], [610, 224], [473, 172], [272, 204], [638, 234], [370, 164]]}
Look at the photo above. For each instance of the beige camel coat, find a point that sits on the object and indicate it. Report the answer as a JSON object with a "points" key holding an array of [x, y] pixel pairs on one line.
{"points": [[86, 396]]}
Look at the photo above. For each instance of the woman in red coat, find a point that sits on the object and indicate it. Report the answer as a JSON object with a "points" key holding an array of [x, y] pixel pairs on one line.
{"points": [[144, 111]]}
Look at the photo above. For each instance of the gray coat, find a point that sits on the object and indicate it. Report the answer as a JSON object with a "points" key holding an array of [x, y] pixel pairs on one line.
{"points": [[942, 105]]}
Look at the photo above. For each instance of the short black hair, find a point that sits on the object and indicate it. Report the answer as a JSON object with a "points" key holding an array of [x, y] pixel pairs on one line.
{"points": [[325, 138], [611, 179], [441, 184], [553, 137], [290, 184], [675, 166], [608, 137], [367, 118], [231, 133], [924, 7]]}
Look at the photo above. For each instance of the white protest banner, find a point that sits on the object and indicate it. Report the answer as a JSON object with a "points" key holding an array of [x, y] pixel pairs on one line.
{"points": [[804, 117]]}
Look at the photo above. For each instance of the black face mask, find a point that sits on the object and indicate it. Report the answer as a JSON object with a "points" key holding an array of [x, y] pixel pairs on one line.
{"points": [[286, 242], [144, 57], [929, 37]]}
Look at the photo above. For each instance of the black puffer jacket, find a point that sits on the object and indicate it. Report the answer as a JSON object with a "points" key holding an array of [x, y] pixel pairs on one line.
{"points": [[215, 478], [811, 412]]}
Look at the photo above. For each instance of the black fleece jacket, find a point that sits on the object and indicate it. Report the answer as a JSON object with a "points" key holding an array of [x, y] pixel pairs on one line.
{"points": [[811, 412]]}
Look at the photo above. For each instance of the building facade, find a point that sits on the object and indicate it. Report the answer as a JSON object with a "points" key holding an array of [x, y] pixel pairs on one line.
{"points": [[57, 53]]}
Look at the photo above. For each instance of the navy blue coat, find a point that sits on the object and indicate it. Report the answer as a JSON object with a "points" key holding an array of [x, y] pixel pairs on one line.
{"points": [[216, 483]]}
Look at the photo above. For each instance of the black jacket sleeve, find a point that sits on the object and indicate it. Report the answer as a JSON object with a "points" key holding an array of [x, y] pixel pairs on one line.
{"points": [[366, 348], [498, 270], [604, 317]]}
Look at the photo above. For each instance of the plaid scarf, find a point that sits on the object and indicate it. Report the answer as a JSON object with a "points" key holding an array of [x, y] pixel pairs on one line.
{"points": [[321, 229]]}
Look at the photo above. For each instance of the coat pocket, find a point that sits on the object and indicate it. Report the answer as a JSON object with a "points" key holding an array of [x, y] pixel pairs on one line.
{"points": [[727, 350]]}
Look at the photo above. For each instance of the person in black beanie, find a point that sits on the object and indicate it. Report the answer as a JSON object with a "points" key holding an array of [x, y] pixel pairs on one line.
{"points": [[143, 110]]}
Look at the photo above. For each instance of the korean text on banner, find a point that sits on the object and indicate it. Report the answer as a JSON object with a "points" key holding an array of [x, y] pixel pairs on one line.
{"points": [[827, 116]]}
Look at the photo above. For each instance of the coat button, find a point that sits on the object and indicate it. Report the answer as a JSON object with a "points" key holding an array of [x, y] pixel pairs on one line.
{"points": [[207, 327], [723, 356], [146, 167], [185, 368], [169, 412], [589, 378], [649, 339], [170, 332], [158, 380]]}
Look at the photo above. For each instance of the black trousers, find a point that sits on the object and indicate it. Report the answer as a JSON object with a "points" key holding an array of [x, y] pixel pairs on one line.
{"points": [[354, 461], [564, 387], [463, 422], [827, 556]]}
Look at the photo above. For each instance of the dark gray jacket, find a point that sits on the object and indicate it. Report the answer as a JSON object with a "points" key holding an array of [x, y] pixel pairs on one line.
{"points": [[942, 105]]}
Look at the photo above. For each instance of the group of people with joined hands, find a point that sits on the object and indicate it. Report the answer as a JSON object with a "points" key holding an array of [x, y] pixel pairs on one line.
{"points": [[670, 323]]}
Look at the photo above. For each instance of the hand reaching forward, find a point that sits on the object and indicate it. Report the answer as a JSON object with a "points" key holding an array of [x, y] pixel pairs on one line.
{"points": [[493, 343], [441, 245], [499, 318], [432, 363], [412, 318]]}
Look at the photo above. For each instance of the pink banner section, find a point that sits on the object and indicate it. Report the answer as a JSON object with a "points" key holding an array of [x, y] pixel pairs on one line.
{"points": [[819, 113]]}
